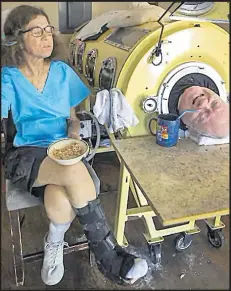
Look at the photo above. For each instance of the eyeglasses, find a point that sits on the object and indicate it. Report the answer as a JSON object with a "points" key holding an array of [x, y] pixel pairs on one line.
{"points": [[38, 31]]}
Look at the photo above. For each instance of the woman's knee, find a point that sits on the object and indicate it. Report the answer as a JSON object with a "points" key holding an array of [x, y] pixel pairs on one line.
{"points": [[57, 204], [52, 173], [78, 176]]}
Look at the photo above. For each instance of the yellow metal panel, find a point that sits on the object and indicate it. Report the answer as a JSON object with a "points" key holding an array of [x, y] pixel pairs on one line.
{"points": [[196, 217], [208, 44], [138, 79], [215, 223], [140, 211], [189, 227], [122, 201]]}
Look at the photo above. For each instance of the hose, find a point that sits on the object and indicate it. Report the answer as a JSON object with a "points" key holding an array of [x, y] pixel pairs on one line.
{"points": [[93, 152]]}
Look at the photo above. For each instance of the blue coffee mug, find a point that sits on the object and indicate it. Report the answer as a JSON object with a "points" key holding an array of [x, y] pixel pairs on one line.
{"points": [[167, 131]]}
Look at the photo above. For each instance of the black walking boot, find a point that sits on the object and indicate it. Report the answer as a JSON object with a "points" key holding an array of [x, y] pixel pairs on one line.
{"points": [[112, 260]]}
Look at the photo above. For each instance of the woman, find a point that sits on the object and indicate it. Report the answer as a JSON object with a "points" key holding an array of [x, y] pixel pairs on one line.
{"points": [[41, 94]]}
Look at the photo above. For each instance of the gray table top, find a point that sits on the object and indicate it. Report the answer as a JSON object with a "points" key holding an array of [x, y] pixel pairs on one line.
{"points": [[182, 183]]}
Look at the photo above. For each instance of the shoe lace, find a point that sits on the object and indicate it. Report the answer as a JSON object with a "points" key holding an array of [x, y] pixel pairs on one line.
{"points": [[55, 253]]}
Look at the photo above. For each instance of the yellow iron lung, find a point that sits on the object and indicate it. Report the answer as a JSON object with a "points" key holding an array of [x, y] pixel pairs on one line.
{"points": [[187, 47]]}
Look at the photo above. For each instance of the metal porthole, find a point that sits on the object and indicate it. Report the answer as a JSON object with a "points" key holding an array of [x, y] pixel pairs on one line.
{"points": [[90, 66], [107, 73], [195, 8], [79, 57], [179, 72]]}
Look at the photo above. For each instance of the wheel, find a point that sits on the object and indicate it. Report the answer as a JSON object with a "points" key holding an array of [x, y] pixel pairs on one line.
{"points": [[155, 253], [182, 242], [216, 238]]}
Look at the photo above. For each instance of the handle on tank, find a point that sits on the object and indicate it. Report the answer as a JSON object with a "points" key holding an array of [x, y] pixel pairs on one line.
{"points": [[91, 154], [149, 125]]}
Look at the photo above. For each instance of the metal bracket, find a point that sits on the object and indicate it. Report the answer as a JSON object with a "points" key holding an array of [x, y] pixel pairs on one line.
{"points": [[149, 104], [79, 57], [107, 73], [90, 66]]}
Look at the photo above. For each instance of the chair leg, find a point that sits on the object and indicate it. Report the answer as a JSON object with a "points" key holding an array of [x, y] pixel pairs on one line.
{"points": [[15, 230], [91, 258]]}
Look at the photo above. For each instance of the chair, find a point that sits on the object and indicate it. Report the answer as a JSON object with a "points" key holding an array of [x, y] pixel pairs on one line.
{"points": [[17, 199]]}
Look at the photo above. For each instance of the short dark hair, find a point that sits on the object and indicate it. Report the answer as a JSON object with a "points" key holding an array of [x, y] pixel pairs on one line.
{"points": [[18, 18]]}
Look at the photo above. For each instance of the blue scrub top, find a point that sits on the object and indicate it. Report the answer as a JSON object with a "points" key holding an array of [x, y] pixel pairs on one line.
{"points": [[40, 117]]}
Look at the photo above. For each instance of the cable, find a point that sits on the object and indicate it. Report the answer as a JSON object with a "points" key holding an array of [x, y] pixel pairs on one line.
{"points": [[157, 51], [182, 2]]}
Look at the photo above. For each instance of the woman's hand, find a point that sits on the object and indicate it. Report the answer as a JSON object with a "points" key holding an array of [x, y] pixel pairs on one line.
{"points": [[73, 134], [73, 129]]}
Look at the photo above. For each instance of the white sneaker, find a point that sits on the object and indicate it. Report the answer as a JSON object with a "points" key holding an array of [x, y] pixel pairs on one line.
{"points": [[52, 269], [138, 270]]}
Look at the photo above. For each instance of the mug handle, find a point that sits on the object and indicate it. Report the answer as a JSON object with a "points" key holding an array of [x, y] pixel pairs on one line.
{"points": [[149, 125]]}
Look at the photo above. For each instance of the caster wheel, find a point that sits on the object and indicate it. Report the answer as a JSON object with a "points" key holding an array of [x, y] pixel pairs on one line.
{"points": [[216, 238], [155, 252], [182, 242]]}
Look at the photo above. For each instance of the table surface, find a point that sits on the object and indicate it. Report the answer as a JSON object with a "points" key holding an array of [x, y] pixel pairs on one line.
{"points": [[181, 183]]}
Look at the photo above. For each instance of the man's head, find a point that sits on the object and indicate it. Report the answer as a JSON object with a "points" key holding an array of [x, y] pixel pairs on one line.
{"points": [[212, 119]]}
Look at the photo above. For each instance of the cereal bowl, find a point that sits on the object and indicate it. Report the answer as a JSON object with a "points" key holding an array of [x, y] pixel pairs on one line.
{"points": [[59, 150]]}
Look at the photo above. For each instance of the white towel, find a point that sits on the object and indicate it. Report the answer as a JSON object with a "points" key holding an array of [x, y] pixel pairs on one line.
{"points": [[94, 26], [138, 16], [112, 109], [205, 140], [122, 18]]}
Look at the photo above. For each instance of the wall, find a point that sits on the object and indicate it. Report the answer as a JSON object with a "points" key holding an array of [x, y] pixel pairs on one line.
{"points": [[51, 8], [101, 7], [165, 5]]}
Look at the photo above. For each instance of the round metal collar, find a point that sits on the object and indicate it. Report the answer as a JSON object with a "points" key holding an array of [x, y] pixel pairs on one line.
{"points": [[185, 69], [195, 8]]}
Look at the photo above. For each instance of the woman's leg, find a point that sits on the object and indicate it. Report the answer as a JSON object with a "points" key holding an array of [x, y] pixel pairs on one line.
{"points": [[112, 260], [61, 214], [57, 205], [75, 179]]}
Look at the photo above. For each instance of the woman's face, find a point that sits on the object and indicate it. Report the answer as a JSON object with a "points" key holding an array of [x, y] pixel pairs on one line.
{"points": [[36, 45], [212, 117]]}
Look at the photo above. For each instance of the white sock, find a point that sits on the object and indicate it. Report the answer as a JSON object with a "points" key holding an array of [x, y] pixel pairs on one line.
{"points": [[57, 231], [138, 270]]}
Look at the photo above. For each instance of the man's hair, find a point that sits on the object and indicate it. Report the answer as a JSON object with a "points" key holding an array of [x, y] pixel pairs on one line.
{"points": [[12, 45], [214, 135], [204, 133]]}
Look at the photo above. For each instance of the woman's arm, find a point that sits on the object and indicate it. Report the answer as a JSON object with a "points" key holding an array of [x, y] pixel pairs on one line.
{"points": [[78, 91], [73, 125]]}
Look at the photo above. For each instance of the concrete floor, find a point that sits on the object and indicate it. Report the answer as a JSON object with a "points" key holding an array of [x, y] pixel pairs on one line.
{"points": [[201, 266]]}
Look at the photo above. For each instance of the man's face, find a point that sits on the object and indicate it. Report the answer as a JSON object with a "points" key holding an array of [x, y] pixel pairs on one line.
{"points": [[212, 119]]}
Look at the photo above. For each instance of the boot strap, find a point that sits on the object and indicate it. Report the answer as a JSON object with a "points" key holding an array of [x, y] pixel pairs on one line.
{"points": [[104, 247], [112, 257], [88, 208]]}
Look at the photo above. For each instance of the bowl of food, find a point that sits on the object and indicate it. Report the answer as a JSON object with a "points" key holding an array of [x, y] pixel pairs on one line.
{"points": [[68, 151]]}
